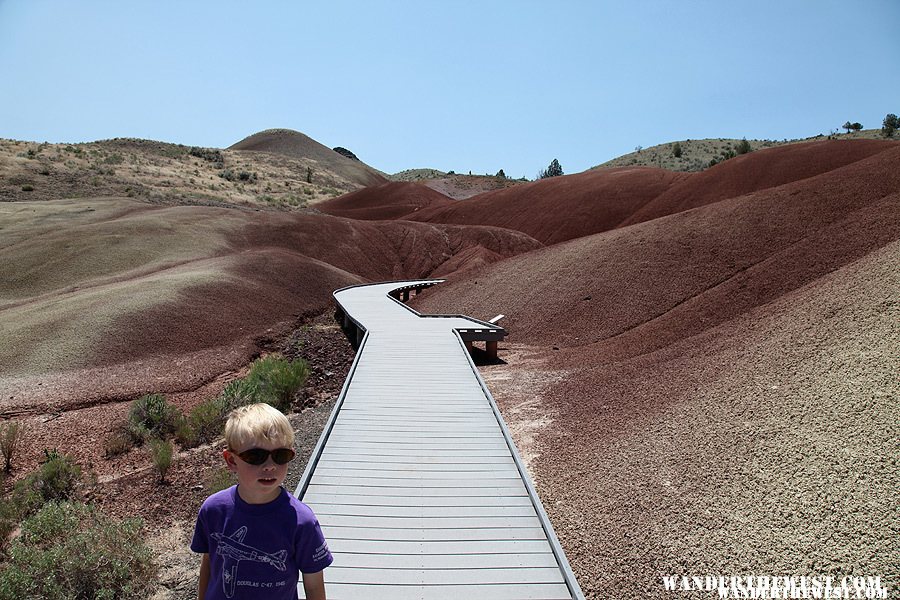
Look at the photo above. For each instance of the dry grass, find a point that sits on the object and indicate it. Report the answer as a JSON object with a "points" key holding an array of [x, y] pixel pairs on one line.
{"points": [[696, 154], [417, 175], [164, 174]]}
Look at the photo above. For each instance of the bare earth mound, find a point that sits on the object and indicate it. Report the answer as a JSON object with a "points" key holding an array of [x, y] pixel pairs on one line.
{"points": [[560, 208], [758, 171], [295, 144], [460, 187], [164, 298], [727, 402], [626, 288], [394, 200]]}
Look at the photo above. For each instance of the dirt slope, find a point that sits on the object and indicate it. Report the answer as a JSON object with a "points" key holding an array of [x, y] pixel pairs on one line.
{"points": [[758, 171], [392, 200], [139, 297], [717, 389], [297, 145], [560, 208], [563, 208], [641, 287], [763, 445]]}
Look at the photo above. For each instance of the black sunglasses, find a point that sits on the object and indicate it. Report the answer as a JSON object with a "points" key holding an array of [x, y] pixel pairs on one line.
{"points": [[257, 456]]}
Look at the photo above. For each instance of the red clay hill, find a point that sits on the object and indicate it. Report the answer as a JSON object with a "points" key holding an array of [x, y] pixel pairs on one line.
{"points": [[563, 208], [142, 298], [394, 200], [695, 385], [297, 145], [560, 208], [757, 171], [635, 289]]}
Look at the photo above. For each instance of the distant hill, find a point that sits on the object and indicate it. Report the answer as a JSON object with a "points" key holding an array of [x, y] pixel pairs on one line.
{"points": [[163, 173], [393, 200], [697, 154], [417, 175], [457, 187], [297, 145], [556, 209]]}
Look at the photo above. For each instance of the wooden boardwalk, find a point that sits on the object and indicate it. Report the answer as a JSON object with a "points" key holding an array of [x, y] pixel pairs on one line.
{"points": [[415, 480]]}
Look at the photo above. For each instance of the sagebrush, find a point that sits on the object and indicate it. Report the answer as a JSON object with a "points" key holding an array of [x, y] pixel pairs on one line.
{"points": [[72, 551]]}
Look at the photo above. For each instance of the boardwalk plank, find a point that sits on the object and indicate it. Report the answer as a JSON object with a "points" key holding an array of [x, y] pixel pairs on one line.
{"points": [[420, 474], [368, 510], [412, 492], [374, 501], [550, 591], [430, 535], [446, 561], [438, 522], [449, 577], [440, 547]]}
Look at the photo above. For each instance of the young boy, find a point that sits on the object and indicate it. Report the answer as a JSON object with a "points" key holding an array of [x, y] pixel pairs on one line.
{"points": [[255, 537]]}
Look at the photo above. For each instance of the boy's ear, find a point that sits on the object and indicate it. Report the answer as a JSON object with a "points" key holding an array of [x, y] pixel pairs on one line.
{"points": [[229, 460]]}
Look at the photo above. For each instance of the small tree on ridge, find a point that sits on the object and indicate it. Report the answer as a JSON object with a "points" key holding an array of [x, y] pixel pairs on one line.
{"points": [[554, 170], [890, 124]]}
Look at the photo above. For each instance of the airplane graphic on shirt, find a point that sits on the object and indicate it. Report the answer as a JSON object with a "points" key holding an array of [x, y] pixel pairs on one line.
{"points": [[233, 550]]}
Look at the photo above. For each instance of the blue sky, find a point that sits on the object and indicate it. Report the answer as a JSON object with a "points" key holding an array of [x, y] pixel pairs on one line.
{"points": [[477, 86]]}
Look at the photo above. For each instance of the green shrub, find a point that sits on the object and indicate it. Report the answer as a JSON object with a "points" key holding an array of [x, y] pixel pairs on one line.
{"points": [[137, 433], [275, 380], [204, 424], [11, 434], [27, 188], [119, 442], [56, 479], [207, 154], [72, 551], [676, 150], [153, 413], [10, 516], [239, 392], [184, 435], [161, 451]]}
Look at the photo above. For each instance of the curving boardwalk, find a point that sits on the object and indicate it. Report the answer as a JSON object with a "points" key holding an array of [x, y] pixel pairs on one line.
{"points": [[416, 483]]}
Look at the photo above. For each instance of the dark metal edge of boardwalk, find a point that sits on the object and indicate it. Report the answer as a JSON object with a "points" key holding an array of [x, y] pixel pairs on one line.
{"points": [[564, 565]]}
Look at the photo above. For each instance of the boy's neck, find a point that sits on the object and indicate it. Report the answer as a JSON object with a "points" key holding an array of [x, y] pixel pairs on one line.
{"points": [[259, 500]]}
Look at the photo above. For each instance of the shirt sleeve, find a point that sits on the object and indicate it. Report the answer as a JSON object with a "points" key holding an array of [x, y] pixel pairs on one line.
{"points": [[312, 549], [200, 542]]}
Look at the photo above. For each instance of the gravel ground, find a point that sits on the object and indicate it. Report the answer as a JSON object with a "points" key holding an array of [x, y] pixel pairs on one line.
{"points": [[766, 446]]}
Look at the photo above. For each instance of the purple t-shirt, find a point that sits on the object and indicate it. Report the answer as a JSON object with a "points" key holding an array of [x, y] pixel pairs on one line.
{"points": [[258, 550]]}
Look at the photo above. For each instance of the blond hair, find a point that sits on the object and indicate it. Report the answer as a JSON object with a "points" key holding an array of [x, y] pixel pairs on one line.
{"points": [[257, 423]]}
